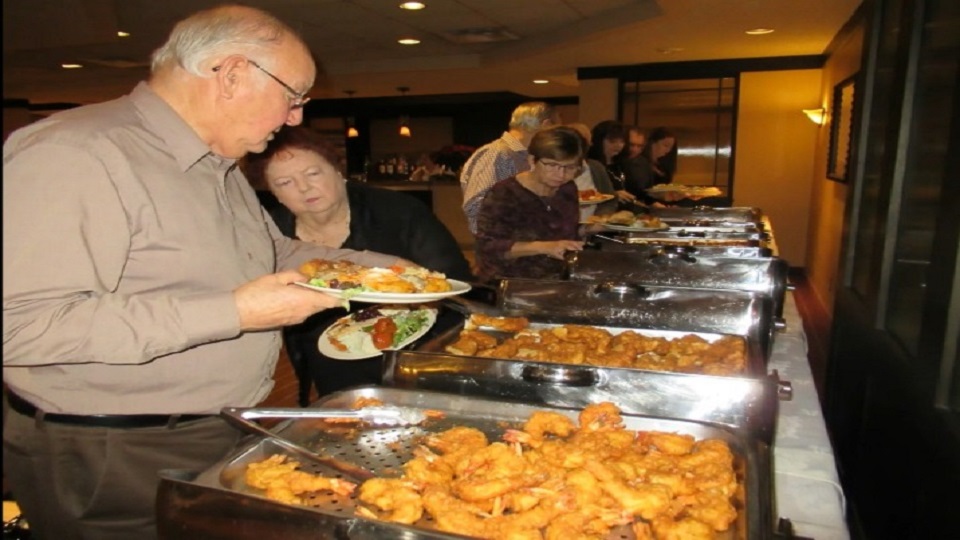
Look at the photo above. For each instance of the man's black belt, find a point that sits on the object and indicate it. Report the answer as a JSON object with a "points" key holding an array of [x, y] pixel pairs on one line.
{"points": [[118, 421]]}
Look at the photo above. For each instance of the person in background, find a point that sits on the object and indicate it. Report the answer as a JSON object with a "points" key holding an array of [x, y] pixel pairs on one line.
{"points": [[654, 165], [504, 157], [309, 199], [527, 222], [608, 140], [144, 285], [594, 176], [636, 142]]}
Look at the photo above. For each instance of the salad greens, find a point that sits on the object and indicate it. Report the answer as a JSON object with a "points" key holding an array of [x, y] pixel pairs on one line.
{"points": [[408, 324]]}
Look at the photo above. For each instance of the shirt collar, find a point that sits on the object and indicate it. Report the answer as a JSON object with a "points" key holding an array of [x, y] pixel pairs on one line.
{"points": [[181, 140], [512, 142]]}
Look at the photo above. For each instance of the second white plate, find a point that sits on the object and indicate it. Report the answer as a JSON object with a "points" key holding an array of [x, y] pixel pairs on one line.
{"points": [[359, 342]]}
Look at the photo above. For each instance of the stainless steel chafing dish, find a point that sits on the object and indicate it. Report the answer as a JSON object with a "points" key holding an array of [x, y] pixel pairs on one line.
{"points": [[681, 237], [752, 397], [766, 276], [650, 307], [708, 214], [216, 504], [613, 241]]}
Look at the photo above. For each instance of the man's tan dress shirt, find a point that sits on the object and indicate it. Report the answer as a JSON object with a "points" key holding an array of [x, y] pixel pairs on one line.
{"points": [[124, 237]]}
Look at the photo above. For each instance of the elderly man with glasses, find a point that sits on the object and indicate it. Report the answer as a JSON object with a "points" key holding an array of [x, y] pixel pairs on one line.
{"points": [[144, 287]]}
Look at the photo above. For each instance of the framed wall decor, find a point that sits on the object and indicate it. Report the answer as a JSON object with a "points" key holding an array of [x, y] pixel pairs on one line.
{"points": [[841, 130]]}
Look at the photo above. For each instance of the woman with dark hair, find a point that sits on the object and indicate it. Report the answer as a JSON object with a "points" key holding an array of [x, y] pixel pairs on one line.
{"points": [[655, 164], [608, 141], [309, 199], [527, 222]]}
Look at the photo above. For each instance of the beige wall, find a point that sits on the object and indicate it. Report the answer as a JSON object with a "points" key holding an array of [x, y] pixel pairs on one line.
{"points": [[598, 101], [828, 198], [775, 146]]}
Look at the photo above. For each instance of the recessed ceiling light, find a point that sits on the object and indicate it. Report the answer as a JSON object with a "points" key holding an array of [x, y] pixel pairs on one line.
{"points": [[71, 66], [541, 81], [412, 6], [408, 41], [759, 31], [121, 33]]}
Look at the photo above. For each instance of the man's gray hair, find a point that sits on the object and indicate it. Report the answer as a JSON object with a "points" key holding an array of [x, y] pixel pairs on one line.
{"points": [[530, 116], [219, 31]]}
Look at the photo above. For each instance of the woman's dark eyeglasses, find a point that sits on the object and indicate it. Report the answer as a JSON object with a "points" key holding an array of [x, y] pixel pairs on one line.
{"points": [[297, 99], [554, 167]]}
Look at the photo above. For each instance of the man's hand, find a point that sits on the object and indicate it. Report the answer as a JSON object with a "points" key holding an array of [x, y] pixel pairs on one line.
{"points": [[272, 301]]}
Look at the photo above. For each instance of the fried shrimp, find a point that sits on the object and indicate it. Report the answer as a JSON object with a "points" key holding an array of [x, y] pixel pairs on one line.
{"points": [[604, 415], [398, 497], [539, 425], [282, 482], [555, 479]]}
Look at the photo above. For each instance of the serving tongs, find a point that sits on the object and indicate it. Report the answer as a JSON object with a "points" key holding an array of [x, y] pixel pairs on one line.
{"points": [[243, 418]]}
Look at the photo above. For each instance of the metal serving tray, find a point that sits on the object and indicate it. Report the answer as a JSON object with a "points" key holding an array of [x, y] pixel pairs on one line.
{"points": [[708, 213], [766, 276], [617, 242], [693, 238], [748, 402], [216, 504], [650, 307]]}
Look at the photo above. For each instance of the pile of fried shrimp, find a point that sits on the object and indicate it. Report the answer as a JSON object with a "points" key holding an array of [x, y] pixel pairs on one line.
{"points": [[588, 345], [555, 479]]}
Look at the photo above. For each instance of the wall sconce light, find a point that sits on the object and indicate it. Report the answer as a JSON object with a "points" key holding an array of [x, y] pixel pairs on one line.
{"points": [[404, 119], [404, 126], [817, 116]]}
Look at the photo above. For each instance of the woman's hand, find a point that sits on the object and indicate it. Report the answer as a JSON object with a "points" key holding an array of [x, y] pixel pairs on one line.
{"points": [[625, 196], [551, 248], [556, 248]]}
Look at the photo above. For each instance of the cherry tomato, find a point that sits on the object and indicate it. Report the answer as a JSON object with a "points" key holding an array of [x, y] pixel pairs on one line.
{"points": [[383, 332]]}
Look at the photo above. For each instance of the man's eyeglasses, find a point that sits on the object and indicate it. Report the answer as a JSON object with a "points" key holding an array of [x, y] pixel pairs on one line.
{"points": [[297, 99], [554, 167]]}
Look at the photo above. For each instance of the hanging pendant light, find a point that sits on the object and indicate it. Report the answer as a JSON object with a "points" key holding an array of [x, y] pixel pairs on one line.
{"points": [[404, 119], [352, 131]]}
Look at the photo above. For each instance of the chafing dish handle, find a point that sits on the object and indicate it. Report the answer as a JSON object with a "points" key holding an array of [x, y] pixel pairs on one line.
{"points": [[557, 374], [672, 254], [620, 290]]}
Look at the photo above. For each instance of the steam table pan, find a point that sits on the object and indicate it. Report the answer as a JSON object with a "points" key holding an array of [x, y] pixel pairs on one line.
{"points": [[216, 504]]}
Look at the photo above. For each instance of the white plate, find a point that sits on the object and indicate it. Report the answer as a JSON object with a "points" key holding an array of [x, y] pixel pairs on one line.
{"points": [[635, 228], [604, 198], [374, 297], [362, 346]]}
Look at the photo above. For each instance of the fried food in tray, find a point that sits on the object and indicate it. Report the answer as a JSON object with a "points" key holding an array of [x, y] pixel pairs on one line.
{"points": [[396, 279], [588, 345], [627, 218], [554, 478]]}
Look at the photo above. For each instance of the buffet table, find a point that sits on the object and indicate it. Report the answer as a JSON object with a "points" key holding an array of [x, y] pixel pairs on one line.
{"points": [[806, 483]]}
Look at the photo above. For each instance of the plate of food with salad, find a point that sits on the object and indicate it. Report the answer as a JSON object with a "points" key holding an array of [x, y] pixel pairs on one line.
{"points": [[393, 285], [372, 330]]}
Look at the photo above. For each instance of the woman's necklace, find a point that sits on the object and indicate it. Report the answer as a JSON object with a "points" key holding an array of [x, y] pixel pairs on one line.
{"points": [[331, 234]]}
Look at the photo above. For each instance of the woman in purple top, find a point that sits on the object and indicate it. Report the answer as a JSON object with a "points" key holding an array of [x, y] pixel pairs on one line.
{"points": [[528, 221]]}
